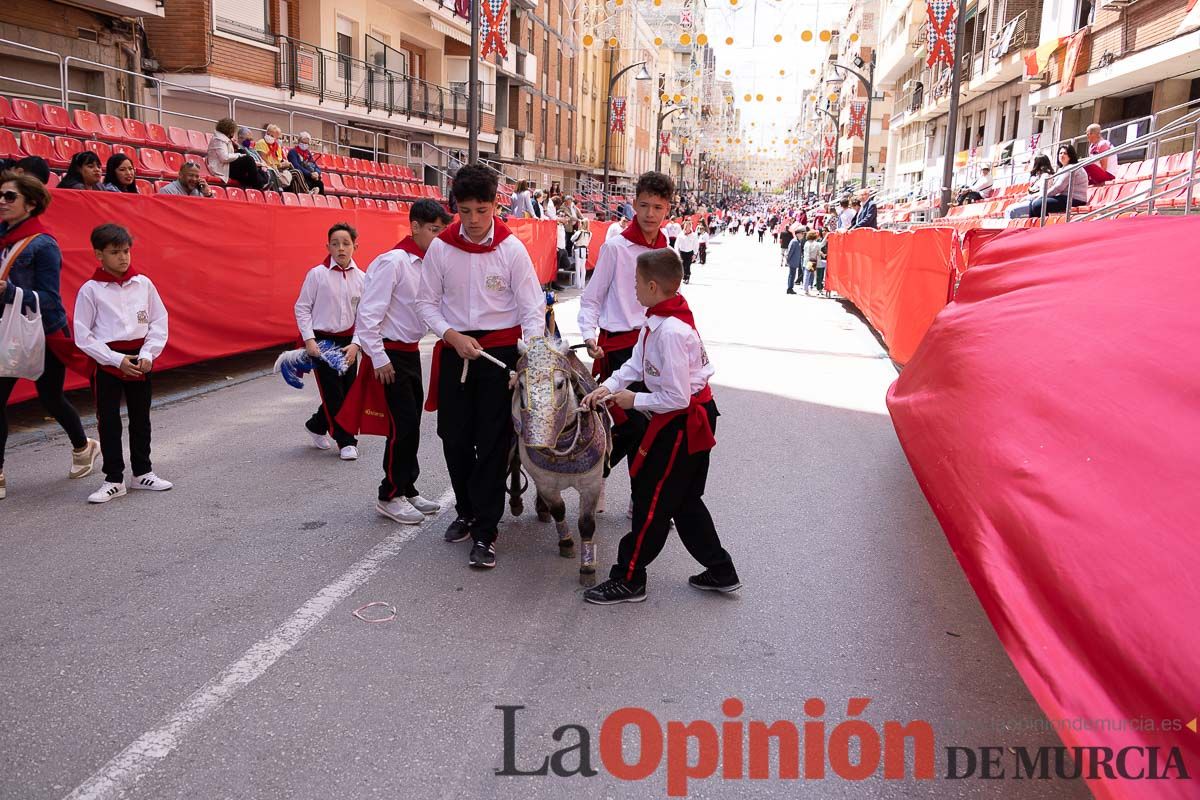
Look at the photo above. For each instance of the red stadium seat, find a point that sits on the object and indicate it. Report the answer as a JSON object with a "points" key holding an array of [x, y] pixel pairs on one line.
{"points": [[318, 200], [290, 199], [23, 114], [87, 123], [8, 144], [219, 192], [135, 131], [172, 161], [273, 198], [255, 196], [305, 199], [348, 202], [101, 149], [392, 206], [65, 147], [143, 187], [179, 138], [37, 144], [55, 119], [197, 142], [160, 185], [128, 150], [54, 180], [156, 136], [112, 128], [234, 193], [150, 163]]}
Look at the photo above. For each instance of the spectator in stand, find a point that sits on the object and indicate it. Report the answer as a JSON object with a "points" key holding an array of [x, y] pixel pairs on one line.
{"points": [[846, 215], [1040, 167], [271, 149], [1067, 186], [616, 229], [120, 175], [536, 202], [627, 210], [33, 165], [868, 215], [979, 190], [1097, 145], [549, 209], [304, 160], [522, 202], [569, 216], [221, 150], [249, 169], [189, 183], [37, 266], [85, 172]]}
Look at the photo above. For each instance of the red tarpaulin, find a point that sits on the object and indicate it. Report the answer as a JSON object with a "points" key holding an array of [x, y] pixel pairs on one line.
{"points": [[599, 233], [1052, 418], [229, 272], [898, 279]]}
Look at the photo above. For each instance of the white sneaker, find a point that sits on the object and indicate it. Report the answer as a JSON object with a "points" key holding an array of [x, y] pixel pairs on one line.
{"points": [[423, 505], [3, 487], [107, 491], [83, 463], [349, 453], [150, 483], [400, 510], [321, 441]]}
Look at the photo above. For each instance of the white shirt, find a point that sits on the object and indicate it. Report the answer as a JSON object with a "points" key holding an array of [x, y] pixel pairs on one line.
{"points": [[670, 359], [328, 299], [613, 232], [609, 300], [673, 230], [548, 210], [221, 153], [120, 312], [481, 291], [845, 218], [388, 309], [702, 238], [686, 242]]}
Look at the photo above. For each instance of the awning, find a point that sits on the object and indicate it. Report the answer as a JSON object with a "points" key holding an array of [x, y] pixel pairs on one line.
{"points": [[447, 29]]}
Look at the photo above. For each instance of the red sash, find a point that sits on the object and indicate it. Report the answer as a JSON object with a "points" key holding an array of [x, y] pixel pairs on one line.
{"points": [[63, 347], [507, 337], [365, 409], [129, 348], [699, 429], [612, 341]]}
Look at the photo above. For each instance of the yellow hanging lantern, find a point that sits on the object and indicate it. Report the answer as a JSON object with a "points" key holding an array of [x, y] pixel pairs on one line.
{"points": [[588, 40], [782, 72], [702, 40], [806, 36], [612, 42], [677, 99], [853, 37], [759, 98], [685, 39], [748, 98], [826, 36], [658, 41], [778, 38]]}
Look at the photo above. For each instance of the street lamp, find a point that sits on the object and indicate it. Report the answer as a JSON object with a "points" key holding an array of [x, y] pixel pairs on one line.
{"points": [[867, 81], [821, 144], [643, 75]]}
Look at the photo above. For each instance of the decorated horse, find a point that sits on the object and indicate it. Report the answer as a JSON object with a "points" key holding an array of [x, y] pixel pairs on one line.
{"points": [[559, 443]]}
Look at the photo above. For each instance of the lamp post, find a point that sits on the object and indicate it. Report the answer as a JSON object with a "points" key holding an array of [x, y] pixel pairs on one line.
{"points": [[643, 75], [952, 118], [473, 88], [836, 138], [867, 81]]}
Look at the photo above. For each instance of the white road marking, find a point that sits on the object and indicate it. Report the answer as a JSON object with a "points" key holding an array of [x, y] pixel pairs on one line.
{"points": [[141, 756]]}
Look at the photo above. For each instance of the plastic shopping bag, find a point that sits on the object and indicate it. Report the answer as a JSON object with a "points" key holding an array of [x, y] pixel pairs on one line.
{"points": [[22, 341]]}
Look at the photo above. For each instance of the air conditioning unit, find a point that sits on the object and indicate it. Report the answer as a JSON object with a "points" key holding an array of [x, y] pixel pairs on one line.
{"points": [[910, 86], [930, 130], [1113, 5], [1042, 112], [1041, 78]]}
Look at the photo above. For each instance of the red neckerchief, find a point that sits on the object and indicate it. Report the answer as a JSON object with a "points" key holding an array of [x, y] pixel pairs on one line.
{"points": [[23, 230], [331, 264], [275, 151], [675, 307], [452, 236], [409, 245], [107, 277], [633, 233]]}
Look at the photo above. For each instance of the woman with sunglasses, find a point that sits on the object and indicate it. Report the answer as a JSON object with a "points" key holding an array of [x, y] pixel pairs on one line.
{"points": [[119, 174], [30, 259], [85, 172]]}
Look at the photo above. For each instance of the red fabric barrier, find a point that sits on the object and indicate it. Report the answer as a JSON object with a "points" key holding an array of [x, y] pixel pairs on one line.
{"points": [[599, 233], [1051, 416], [229, 272], [899, 280]]}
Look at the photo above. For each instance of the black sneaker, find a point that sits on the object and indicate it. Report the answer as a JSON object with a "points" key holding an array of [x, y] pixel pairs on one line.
{"points": [[459, 530], [483, 555], [708, 583], [615, 591]]}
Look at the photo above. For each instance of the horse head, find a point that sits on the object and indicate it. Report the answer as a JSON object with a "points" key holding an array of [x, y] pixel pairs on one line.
{"points": [[546, 402]]}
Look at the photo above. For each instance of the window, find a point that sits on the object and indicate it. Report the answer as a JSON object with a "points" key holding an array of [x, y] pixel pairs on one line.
{"points": [[1016, 117], [1003, 127], [243, 18], [558, 127], [345, 46], [966, 142], [1085, 12], [545, 121]]}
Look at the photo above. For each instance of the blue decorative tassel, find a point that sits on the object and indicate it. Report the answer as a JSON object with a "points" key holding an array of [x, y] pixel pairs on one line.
{"points": [[293, 365]]}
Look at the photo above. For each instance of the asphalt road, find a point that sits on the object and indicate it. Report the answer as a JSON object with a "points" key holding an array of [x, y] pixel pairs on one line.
{"points": [[200, 643]]}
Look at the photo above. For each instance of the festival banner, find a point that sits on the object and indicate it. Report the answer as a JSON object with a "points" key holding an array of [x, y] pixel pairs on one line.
{"points": [[493, 28], [941, 32], [1034, 138], [1071, 64], [1038, 60], [618, 115], [687, 155], [829, 151], [664, 140], [858, 115]]}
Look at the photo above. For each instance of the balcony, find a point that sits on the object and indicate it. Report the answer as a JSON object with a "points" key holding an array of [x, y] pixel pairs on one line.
{"points": [[126, 8], [306, 69]]}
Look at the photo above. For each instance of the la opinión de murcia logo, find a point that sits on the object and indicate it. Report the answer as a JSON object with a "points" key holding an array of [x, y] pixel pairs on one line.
{"points": [[853, 750]]}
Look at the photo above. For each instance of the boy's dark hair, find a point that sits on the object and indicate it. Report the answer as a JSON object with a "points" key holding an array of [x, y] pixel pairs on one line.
{"points": [[661, 266], [36, 166], [110, 234], [342, 226], [423, 212], [657, 184], [845, 203], [475, 182]]}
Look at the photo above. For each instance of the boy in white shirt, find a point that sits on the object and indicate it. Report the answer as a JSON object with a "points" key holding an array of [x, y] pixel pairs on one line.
{"points": [[478, 292], [389, 330], [671, 466], [121, 324], [325, 310]]}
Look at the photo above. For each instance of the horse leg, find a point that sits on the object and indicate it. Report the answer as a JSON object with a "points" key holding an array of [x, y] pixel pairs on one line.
{"points": [[558, 511], [515, 504], [588, 501], [543, 510]]}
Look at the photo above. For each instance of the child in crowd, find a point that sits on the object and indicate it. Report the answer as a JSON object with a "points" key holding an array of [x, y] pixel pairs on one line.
{"points": [[671, 466], [326, 310], [121, 324], [389, 330]]}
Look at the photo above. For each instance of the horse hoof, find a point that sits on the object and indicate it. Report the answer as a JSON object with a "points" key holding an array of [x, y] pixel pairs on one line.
{"points": [[587, 580], [544, 516], [516, 508], [566, 548], [587, 558]]}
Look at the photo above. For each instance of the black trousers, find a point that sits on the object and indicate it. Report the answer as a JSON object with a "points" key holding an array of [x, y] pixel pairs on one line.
{"points": [[109, 391], [670, 486], [50, 394], [702, 253], [333, 388], [686, 257], [474, 423], [628, 434], [405, 398]]}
